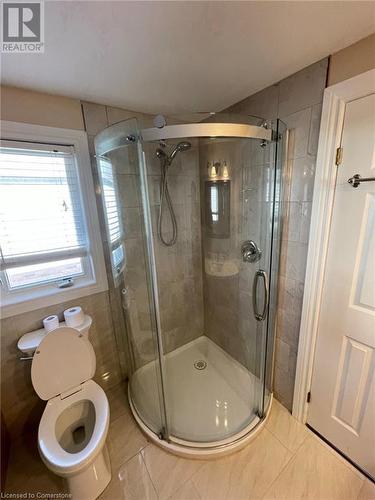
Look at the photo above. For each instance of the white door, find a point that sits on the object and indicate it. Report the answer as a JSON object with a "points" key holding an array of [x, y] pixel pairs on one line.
{"points": [[342, 406]]}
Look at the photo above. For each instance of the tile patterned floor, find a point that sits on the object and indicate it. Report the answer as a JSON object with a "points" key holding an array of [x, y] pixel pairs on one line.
{"points": [[285, 461]]}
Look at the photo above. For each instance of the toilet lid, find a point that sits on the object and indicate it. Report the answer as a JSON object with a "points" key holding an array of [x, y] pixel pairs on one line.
{"points": [[63, 361]]}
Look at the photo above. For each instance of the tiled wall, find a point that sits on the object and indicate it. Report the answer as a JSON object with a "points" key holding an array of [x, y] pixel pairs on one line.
{"points": [[179, 267], [297, 101], [227, 279]]}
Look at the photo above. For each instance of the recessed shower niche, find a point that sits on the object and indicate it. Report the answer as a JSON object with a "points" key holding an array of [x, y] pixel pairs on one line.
{"points": [[187, 197], [217, 208]]}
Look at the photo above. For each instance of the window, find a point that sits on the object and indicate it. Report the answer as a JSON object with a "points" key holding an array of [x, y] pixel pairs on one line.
{"points": [[46, 224], [112, 212]]}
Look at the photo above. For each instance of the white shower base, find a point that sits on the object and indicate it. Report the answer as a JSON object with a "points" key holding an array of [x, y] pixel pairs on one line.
{"points": [[211, 411]]}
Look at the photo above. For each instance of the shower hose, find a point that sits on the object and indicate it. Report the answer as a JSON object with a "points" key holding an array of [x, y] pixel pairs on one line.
{"points": [[166, 199]]}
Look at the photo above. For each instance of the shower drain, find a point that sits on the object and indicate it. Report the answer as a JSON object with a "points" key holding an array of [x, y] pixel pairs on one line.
{"points": [[200, 365]]}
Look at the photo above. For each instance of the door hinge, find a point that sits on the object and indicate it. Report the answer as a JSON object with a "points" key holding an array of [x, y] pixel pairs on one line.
{"points": [[339, 152], [308, 399]]}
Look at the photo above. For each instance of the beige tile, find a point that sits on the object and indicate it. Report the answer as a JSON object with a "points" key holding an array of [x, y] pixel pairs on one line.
{"points": [[114, 490], [243, 475], [283, 387], [303, 88], [291, 289], [213, 480], [124, 440], [367, 491], [305, 221], [288, 323], [299, 126], [286, 428], [314, 129], [294, 263], [263, 103], [168, 471], [132, 482], [282, 351], [118, 400], [303, 175], [338, 456], [95, 117], [116, 115], [317, 474], [186, 492]]}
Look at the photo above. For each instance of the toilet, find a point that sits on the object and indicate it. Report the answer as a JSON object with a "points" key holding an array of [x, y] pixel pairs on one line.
{"points": [[74, 425]]}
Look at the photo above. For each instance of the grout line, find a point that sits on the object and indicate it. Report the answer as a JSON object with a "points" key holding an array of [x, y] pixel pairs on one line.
{"points": [[293, 452], [148, 473], [195, 489], [278, 439], [186, 480], [129, 458], [292, 457]]}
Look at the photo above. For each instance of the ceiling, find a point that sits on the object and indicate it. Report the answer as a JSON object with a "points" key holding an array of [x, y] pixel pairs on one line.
{"points": [[182, 56]]}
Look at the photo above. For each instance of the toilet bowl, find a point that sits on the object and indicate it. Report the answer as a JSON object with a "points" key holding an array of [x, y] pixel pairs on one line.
{"points": [[74, 425]]}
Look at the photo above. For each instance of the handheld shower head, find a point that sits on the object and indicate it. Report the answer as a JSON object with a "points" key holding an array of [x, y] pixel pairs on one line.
{"points": [[181, 146], [165, 162]]}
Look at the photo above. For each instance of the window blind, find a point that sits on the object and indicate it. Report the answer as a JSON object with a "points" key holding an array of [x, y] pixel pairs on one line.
{"points": [[41, 213], [112, 211]]}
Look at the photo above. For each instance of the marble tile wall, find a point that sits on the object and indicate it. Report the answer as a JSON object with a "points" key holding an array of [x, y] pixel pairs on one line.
{"points": [[297, 101], [227, 279], [179, 267]]}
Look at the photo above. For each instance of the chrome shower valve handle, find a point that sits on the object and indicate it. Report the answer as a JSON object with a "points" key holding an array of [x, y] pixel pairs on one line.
{"points": [[250, 251]]}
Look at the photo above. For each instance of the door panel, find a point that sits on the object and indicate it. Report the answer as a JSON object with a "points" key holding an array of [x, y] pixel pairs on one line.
{"points": [[342, 406]]}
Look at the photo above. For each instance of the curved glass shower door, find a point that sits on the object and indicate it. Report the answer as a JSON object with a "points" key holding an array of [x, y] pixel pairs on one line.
{"points": [[213, 302], [204, 232], [119, 166]]}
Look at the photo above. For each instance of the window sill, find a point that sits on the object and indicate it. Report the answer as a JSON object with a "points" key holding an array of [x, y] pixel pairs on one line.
{"points": [[44, 298]]}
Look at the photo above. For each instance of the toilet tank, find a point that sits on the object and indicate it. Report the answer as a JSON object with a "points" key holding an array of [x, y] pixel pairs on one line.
{"points": [[29, 342]]}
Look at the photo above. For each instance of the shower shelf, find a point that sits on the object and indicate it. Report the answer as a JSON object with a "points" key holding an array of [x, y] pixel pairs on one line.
{"points": [[221, 269]]}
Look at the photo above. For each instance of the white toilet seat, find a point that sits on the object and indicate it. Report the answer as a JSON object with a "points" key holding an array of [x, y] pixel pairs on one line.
{"points": [[55, 457]]}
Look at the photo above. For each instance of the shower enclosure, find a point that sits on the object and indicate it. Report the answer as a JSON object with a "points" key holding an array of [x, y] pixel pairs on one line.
{"points": [[193, 213]]}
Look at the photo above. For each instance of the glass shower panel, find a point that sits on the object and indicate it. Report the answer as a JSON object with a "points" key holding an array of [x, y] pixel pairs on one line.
{"points": [[120, 172], [278, 153], [255, 229], [229, 324], [178, 267]]}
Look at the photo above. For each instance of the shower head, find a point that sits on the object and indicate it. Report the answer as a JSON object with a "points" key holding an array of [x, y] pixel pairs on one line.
{"points": [[181, 146]]}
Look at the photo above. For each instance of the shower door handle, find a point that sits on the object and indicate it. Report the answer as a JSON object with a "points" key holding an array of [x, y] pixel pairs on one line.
{"points": [[263, 275]]}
